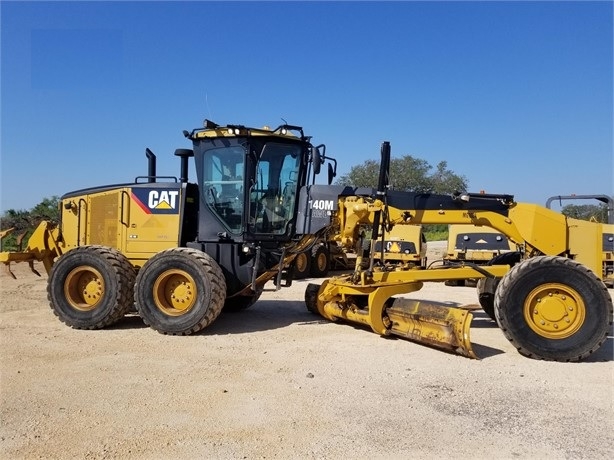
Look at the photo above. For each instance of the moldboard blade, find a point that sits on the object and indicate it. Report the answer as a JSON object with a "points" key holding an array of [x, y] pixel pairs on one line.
{"points": [[432, 324]]}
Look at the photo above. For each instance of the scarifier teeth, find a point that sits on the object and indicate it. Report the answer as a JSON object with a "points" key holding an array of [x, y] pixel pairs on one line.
{"points": [[7, 266], [31, 264]]}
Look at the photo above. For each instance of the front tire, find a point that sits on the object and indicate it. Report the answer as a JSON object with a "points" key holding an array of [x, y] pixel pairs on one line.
{"points": [[91, 287], [311, 298], [487, 287], [553, 308], [180, 291]]}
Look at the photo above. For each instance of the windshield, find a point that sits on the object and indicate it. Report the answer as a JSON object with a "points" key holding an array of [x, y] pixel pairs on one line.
{"points": [[223, 172], [273, 194]]}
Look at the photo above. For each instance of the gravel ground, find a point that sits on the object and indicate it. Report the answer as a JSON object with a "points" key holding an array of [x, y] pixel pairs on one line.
{"points": [[278, 382]]}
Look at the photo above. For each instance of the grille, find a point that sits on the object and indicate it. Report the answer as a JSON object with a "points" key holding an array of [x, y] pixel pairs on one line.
{"points": [[103, 219]]}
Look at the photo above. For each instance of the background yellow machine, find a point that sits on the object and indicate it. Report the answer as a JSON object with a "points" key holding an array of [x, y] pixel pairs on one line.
{"points": [[402, 245], [477, 244]]}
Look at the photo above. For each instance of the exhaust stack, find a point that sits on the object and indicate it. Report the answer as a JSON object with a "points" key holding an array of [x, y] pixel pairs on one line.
{"points": [[184, 154], [151, 165]]}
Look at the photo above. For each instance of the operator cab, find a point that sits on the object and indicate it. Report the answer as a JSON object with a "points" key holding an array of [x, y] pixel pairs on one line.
{"points": [[263, 202], [249, 180]]}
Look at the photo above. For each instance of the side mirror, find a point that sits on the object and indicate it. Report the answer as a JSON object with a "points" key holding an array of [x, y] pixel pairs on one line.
{"points": [[331, 174], [316, 160]]}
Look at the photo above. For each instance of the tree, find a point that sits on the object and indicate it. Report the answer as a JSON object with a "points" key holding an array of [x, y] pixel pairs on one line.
{"points": [[587, 212], [364, 175], [445, 181], [408, 174], [413, 175]]}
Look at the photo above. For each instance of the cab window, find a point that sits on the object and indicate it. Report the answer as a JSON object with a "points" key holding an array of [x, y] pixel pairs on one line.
{"points": [[273, 195], [222, 190]]}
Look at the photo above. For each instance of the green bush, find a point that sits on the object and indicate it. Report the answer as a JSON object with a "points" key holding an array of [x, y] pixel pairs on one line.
{"points": [[436, 232]]}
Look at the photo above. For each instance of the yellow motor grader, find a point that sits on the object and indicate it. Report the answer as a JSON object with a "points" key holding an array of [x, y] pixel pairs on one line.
{"points": [[547, 297], [180, 252]]}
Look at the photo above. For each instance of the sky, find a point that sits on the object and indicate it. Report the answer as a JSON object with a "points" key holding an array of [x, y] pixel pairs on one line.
{"points": [[517, 97]]}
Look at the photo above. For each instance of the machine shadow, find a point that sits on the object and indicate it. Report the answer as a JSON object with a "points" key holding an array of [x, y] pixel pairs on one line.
{"points": [[264, 315], [130, 321], [268, 315], [484, 351], [482, 321]]}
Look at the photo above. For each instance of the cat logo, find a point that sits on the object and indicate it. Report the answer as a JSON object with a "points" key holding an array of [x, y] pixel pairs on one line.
{"points": [[165, 199], [156, 200], [392, 246]]}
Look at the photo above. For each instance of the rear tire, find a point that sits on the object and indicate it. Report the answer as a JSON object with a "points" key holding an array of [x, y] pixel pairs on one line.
{"points": [[320, 261], [302, 265], [91, 287], [553, 308], [180, 291]]}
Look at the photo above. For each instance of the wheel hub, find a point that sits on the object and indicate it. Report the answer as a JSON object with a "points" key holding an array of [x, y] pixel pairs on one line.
{"points": [[554, 311], [91, 289], [84, 288], [301, 262], [321, 261], [174, 292]]}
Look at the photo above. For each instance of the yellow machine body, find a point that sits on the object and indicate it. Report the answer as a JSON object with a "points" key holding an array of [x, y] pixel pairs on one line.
{"points": [[115, 218], [179, 251], [607, 229], [533, 228], [121, 220], [402, 244], [608, 254]]}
